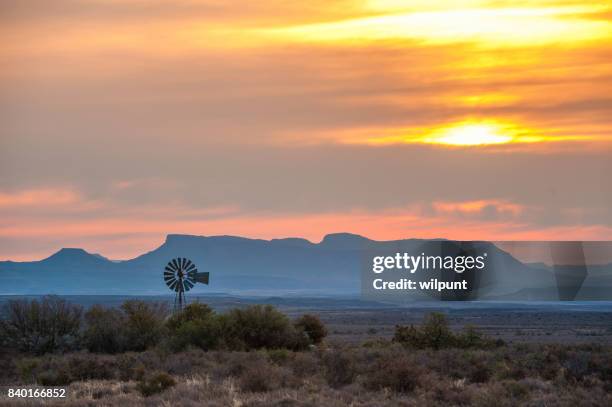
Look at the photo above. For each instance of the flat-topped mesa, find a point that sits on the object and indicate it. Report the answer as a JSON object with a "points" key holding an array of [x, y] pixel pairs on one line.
{"points": [[179, 239], [292, 242], [344, 241]]}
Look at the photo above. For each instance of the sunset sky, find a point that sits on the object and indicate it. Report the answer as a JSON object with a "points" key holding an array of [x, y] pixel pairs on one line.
{"points": [[122, 121]]}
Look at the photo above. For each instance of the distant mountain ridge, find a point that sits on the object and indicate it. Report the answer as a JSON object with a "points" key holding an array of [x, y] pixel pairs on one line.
{"points": [[237, 264]]}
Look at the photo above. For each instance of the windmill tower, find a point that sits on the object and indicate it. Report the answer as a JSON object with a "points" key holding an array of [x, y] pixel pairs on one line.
{"points": [[180, 275]]}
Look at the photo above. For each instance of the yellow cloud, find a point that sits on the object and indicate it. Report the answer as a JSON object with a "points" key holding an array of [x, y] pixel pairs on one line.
{"points": [[528, 26], [467, 133]]}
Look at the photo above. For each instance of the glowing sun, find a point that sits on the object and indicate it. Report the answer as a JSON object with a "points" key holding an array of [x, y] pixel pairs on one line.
{"points": [[469, 135]]}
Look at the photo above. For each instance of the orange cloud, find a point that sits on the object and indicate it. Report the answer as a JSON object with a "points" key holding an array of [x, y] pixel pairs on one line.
{"points": [[478, 207], [38, 197]]}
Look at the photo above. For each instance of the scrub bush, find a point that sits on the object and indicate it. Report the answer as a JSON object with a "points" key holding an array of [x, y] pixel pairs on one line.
{"points": [[49, 325]]}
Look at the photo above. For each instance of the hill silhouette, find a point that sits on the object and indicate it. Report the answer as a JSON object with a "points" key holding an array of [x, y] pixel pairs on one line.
{"points": [[280, 266]]}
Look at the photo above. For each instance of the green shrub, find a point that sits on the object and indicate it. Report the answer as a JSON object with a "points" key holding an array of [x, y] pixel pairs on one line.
{"points": [[312, 326], [196, 325], [410, 336], [144, 324], [436, 334], [258, 327], [135, 326], [49, 325], [470, 338], [105, 330], [435, 331], [155, 383]]}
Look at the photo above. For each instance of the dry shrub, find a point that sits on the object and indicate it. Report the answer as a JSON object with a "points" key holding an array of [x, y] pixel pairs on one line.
{"points": [[98, 389], [474, 366], [134, 365], [441, 391], [339, 368], [278, 356], [259, 377], [55, 370], [188, 362], [305, 364], [400, 374], [155, 383], [232, 364], [577, 366]]}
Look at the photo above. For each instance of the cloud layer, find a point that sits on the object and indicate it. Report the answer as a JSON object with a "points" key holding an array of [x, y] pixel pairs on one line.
{"points": [[121, 121]]}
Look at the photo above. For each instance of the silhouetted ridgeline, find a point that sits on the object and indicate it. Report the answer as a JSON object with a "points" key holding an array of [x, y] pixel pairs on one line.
{"points": [[270, 267]]}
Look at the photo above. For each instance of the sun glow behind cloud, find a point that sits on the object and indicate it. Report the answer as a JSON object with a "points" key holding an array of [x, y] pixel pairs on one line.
{"points": [[470, 135], [529, 26], [463, 134]]}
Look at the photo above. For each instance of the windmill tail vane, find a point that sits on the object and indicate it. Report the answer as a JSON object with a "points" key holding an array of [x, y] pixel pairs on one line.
{"points": [[181, 275]]}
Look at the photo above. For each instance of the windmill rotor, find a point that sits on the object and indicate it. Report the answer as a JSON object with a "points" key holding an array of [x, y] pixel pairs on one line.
{"points": [[181, 275]]}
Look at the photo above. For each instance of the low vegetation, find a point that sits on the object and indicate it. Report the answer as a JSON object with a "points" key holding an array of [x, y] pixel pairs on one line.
{"points": [[257, 356], [51, 324], [436, 334]]}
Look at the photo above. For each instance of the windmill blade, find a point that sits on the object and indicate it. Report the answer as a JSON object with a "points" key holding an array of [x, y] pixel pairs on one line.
{"points": [[179, 286], [173, 284], [188, 285], [176, 265], [183, 262], [202, 277], [170, 267], [191, 267]]}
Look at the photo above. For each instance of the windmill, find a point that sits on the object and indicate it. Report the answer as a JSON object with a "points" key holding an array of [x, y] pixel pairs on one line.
{"points": [[180, 276]]}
